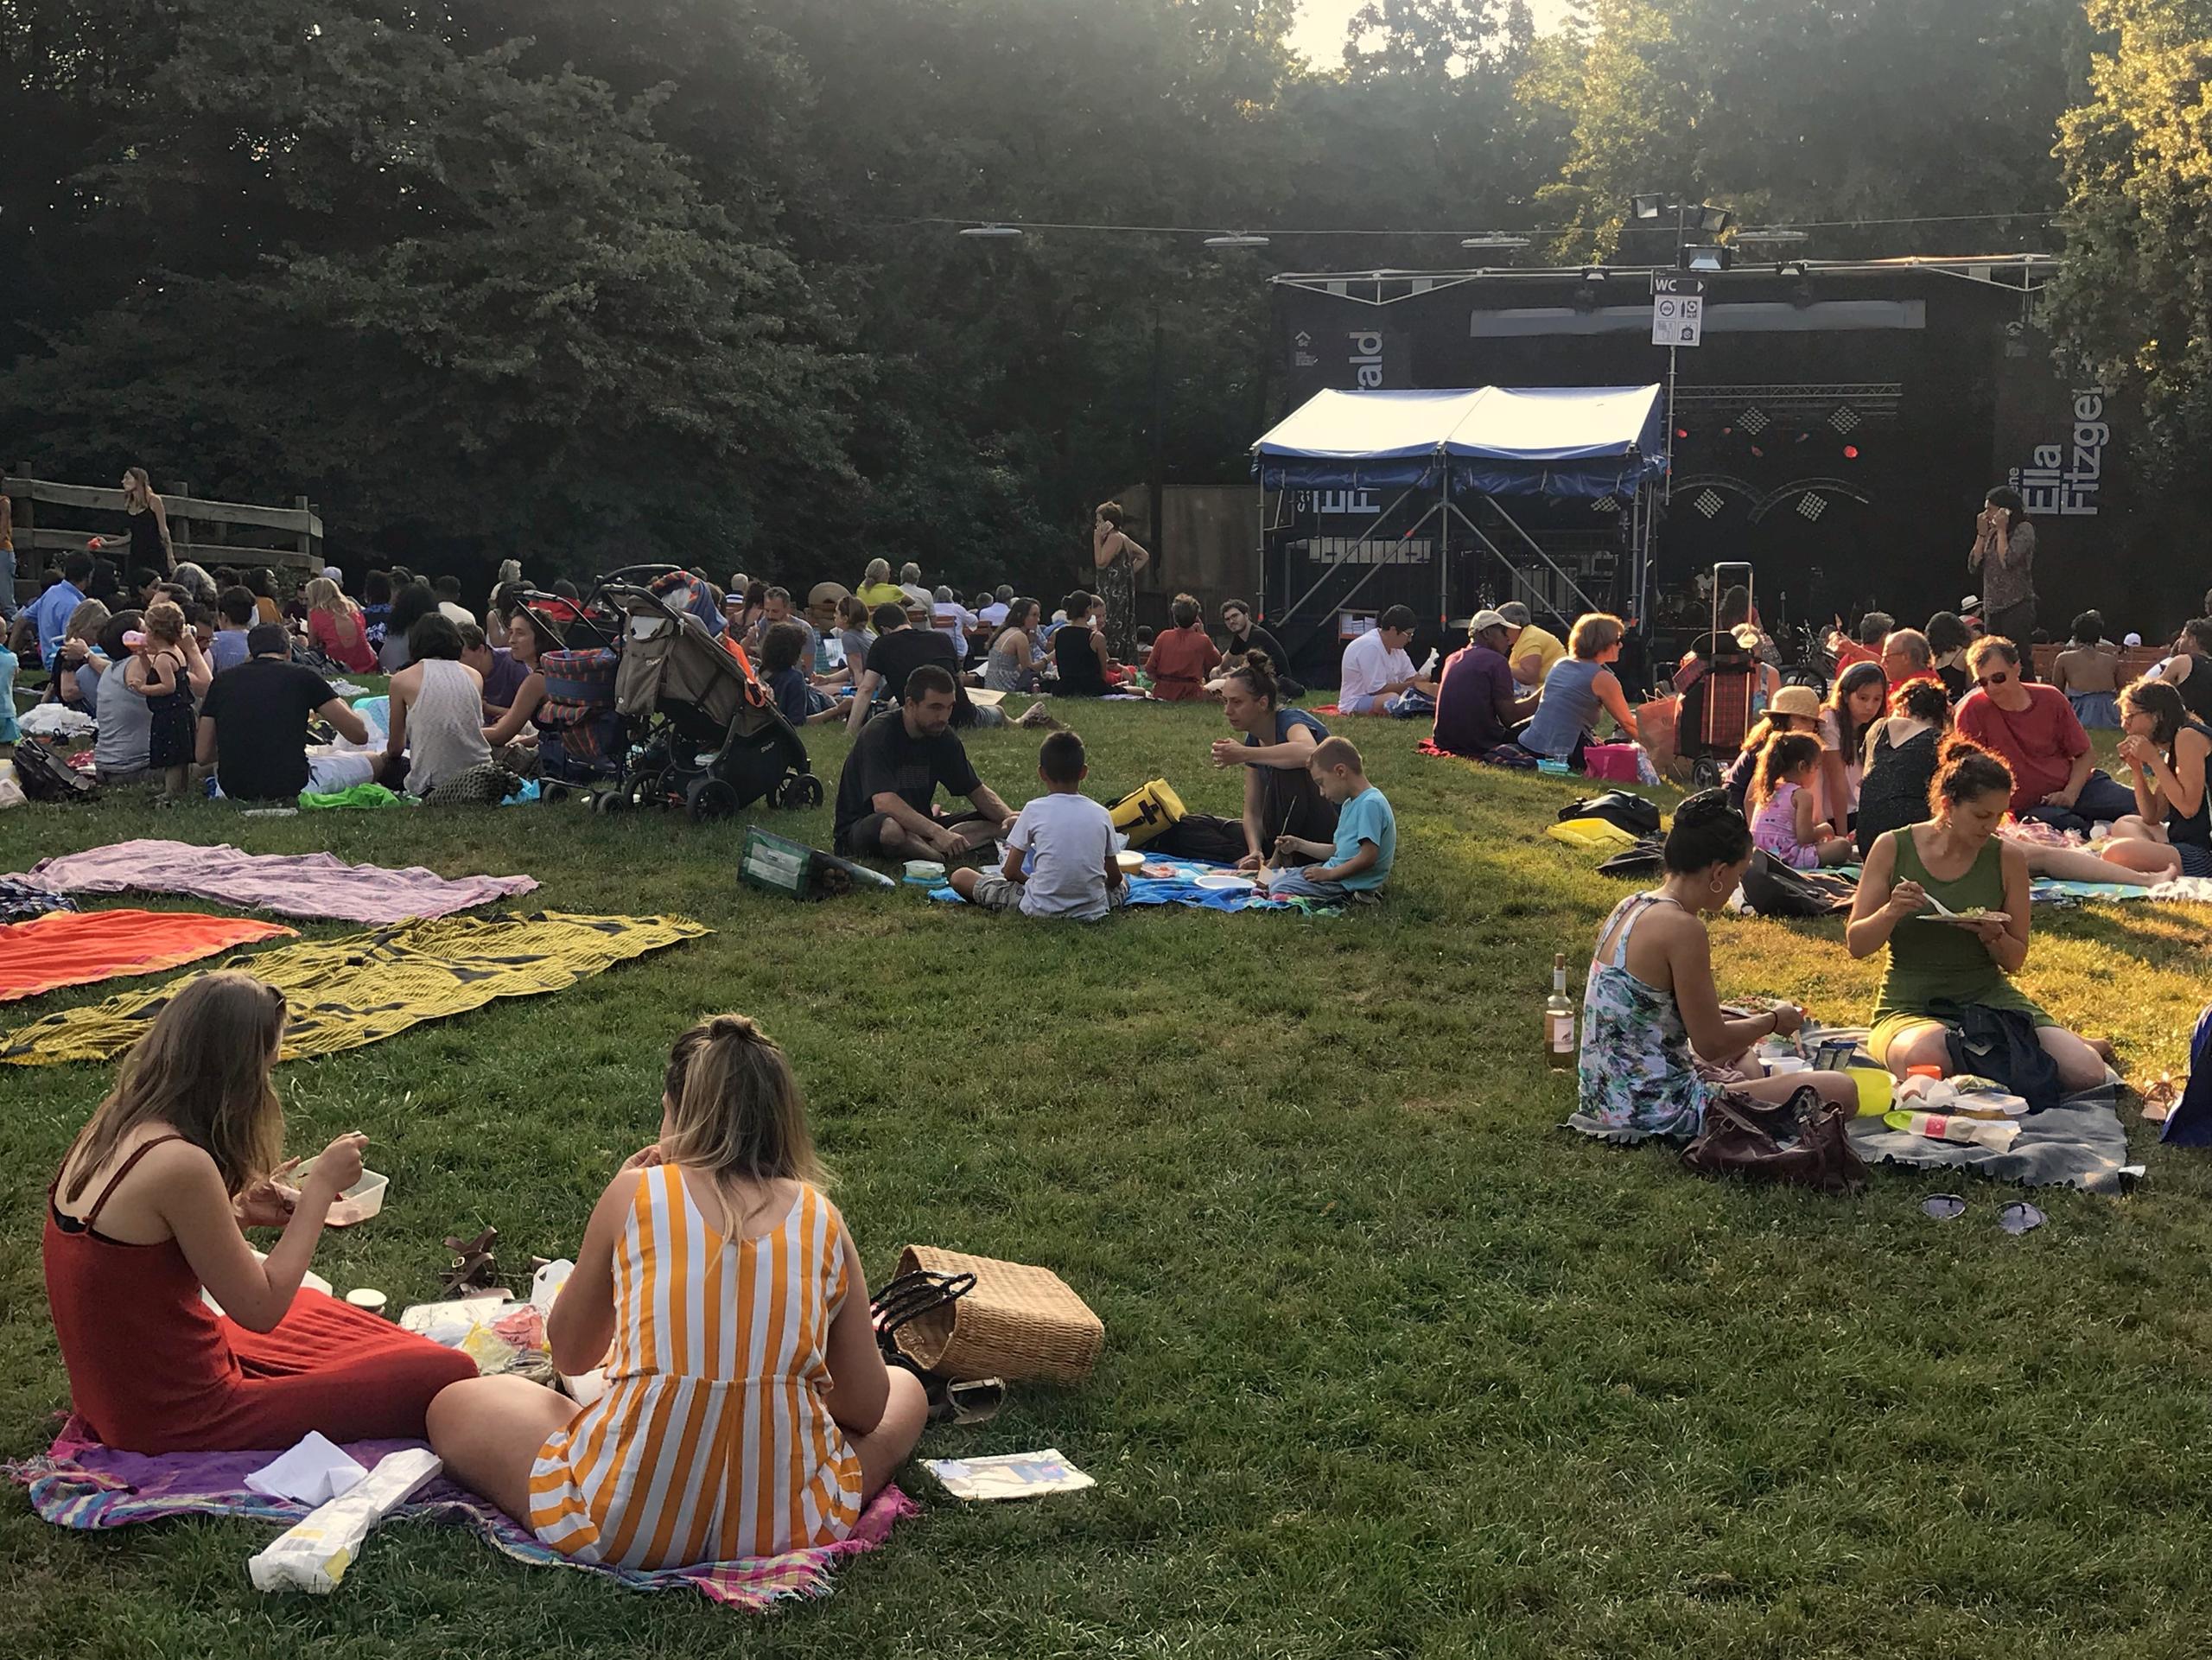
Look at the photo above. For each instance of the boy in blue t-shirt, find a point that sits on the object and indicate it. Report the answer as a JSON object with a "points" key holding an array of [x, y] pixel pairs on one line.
{"points": [[1367, 833]]}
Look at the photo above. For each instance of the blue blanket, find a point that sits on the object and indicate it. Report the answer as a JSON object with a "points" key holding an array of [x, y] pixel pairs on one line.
{"points": [[1181, 887]]}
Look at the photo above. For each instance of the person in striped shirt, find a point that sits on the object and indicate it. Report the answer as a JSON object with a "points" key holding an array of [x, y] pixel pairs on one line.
{"points": [[748, 1410]]}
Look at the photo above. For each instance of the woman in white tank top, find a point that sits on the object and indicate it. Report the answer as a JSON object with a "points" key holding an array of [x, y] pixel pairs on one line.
{"points": [[437, 708]]}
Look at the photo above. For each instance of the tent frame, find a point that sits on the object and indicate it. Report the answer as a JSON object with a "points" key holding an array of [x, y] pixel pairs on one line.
{"points": [[1644, 515], [1446, 511]]}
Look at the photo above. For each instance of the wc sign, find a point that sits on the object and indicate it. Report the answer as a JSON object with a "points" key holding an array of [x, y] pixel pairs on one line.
{"points": [[1677, 311]]}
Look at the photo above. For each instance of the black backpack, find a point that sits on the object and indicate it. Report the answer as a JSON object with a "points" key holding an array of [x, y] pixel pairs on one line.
{"points": [[1773, 889], [1619, 808], [46, 776]]}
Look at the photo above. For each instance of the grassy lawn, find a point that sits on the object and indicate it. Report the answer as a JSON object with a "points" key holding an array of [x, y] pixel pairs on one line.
{"points": [[1394, 1365]]}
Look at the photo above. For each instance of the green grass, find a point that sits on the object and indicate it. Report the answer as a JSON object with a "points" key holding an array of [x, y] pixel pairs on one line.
{"points": [[1394, 1365]]}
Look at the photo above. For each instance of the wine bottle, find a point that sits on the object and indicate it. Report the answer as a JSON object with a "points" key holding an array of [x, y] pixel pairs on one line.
{"points": [[1559, 1019]]}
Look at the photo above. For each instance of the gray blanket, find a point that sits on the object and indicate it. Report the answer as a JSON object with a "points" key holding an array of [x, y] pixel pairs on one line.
{"points": [[2079, 1142]]}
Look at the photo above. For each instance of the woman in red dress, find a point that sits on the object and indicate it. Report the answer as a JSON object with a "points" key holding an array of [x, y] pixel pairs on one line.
{"points": [[147, 1210]]}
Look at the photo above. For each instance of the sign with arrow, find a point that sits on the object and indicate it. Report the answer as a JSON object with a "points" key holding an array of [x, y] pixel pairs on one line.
{"points": [[1677, 311]]}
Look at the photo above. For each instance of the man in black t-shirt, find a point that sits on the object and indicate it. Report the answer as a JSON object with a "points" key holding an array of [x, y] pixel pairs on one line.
{"points": [[899, 649], [253, 726], [887, 796]]}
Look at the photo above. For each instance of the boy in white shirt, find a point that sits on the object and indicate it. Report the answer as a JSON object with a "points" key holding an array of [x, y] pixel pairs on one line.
{"points": [[1068, 841]]}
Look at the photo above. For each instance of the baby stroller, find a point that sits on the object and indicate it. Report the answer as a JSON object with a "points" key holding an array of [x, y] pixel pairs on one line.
{"points": [[1720, 688], [706, 734]]}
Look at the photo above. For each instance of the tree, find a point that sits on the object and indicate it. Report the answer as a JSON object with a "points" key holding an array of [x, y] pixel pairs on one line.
{"points": [[2133, 304], [425, 287]]}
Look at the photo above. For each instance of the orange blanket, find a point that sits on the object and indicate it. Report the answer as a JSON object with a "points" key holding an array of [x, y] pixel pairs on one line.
{"points": [[76, 948]]}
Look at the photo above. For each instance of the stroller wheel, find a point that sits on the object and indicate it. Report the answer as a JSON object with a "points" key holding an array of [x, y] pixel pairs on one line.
{"points": [[1705, 773], [796, 791], [710, 798], [647, 789]]}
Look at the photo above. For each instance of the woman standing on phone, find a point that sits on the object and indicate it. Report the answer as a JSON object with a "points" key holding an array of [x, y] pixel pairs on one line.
{"points": [[2005, 552]]}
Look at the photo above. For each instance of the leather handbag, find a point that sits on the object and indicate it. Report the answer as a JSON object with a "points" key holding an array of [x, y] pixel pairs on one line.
{"points": [[1802, 1142]]}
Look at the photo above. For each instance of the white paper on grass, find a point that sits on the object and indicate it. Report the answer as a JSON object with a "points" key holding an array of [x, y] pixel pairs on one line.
{"points": [[314, 1554], [1009, 1475], [314, 1472]]}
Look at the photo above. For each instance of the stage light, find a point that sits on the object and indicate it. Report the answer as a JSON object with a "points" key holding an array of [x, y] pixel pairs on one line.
{"points": [[1716, 257], [1236, 240], [995, 232], [1593, 273], [1493, 239], [1712, 220], [1851, 451], [1647, 208]]}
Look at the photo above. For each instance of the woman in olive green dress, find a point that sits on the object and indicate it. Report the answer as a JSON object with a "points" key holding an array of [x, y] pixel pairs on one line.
{"points": [[1959, 859]]}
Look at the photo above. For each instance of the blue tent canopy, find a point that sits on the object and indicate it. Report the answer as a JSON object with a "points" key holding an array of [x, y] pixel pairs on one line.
{"points": [[1502, 440]]}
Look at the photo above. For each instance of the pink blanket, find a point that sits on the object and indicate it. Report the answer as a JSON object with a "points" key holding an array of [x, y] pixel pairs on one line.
{"points": [[289, 884], [81, 1484]]}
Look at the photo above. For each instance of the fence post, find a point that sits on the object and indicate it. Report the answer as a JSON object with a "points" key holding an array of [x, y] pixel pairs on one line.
{"points": [[27, 522], [181, 537]]}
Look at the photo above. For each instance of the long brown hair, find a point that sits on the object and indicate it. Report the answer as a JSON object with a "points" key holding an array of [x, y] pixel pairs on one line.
{"points": [[135, 478], [734, 1106], [1780, 756], [203, 1069]]}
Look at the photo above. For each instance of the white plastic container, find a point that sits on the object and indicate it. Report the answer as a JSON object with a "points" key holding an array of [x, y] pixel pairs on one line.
{"points": [[358, 1202], [1781, 1065]]}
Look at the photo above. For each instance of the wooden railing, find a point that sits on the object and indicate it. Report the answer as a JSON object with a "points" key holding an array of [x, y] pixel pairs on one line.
{"points": [[50, 519]]}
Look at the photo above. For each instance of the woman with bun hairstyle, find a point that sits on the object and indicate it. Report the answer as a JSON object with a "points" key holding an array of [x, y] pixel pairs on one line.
{"points": [[1956, 857], [1650, 1010]]}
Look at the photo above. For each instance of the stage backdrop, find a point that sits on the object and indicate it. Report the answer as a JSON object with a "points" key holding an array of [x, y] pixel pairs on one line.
{"points": [[1837, 431]]}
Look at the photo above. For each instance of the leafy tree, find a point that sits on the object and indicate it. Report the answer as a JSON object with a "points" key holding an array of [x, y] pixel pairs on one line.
{"points": [[2133, 304], [425, 287]]}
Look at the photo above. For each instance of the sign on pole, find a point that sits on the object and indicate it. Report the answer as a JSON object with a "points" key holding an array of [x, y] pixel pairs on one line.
{"points": [[1677, 311]]}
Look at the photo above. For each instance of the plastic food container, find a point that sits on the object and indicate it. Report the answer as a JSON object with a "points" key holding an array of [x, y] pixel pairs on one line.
{"points": [[1780, 1066], [1130, 862], [358, 1202], [924, 870]]}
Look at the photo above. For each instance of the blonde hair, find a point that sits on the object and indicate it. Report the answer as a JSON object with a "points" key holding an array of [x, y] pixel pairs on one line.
{"points": [[164, 621], [85, 622], [1599, 631], [323, 594], [203, 1070], [734, 1106]]}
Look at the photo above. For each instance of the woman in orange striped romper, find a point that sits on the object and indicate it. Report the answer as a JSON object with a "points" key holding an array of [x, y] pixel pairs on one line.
{"points": [[748, 1410]]}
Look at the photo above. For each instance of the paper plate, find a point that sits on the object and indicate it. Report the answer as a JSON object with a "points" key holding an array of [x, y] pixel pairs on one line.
{"points": [[1221, 882]]}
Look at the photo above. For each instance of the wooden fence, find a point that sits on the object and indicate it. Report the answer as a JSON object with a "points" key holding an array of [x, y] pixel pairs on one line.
{"points": [[54, 519]]}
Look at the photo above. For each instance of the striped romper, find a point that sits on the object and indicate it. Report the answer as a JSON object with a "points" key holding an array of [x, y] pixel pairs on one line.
{"points": [[713, 1441]]}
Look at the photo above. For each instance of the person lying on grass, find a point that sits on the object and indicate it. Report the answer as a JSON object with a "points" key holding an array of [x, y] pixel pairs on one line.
{"points": [[748, 1410], [1958, 859], [147, 1210], [1059, 860], [1649, 1011], [887, 794], [1366, 845]]}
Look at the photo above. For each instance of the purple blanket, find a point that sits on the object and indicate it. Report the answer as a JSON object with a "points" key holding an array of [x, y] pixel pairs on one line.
{"points": [[289, 884], [80, 1484]]}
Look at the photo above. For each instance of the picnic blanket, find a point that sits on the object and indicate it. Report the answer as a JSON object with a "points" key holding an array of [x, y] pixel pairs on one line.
{"points": [[77, 948], [21, 900], [2079, 1143], [340, 994], [289, 884], [80, 1484], [1180, 887]]}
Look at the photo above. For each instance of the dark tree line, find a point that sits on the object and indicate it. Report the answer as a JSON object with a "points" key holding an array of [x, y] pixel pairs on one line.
{"points": [[680, 277]]}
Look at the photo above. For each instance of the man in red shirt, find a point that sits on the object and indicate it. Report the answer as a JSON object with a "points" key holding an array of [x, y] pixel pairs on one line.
{"points": [[2034, 729], [1867, 648]]}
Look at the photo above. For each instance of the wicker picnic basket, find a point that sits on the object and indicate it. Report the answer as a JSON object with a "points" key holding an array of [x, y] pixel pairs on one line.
{"points": [[1019, 1323]]}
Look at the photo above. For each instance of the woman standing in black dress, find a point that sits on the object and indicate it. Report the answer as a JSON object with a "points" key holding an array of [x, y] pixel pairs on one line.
{"points": [[150, 548], [1115, 561]]}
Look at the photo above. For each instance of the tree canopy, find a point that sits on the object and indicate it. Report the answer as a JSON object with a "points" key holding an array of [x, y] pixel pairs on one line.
{"points": [[683, 279]]}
